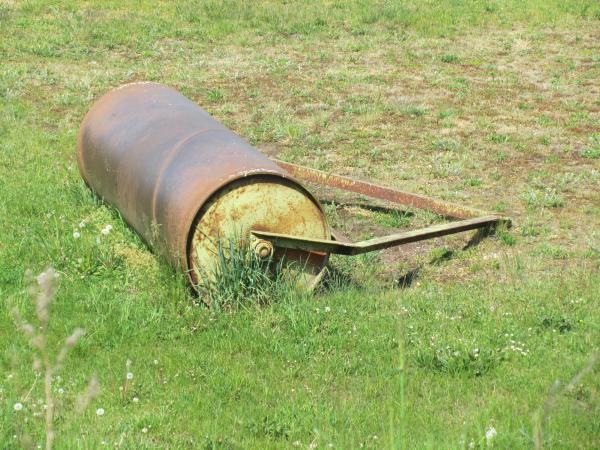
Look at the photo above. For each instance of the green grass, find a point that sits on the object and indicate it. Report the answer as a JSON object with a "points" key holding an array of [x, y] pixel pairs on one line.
{"points": [[241, 279], [485, 103]]}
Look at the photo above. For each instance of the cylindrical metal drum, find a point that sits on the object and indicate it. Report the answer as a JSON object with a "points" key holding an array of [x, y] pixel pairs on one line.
{"points": [[183, 181]]}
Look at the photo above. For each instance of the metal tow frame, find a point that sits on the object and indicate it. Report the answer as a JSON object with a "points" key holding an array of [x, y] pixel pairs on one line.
{"points": [[471, 219]]}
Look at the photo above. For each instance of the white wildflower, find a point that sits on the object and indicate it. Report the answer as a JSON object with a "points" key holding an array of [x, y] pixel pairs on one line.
{"points": [[18, 406], [82, 224], [76, 234], [106, 229], [61, 391], [327, 309], [490, 433], [129, 376], [144, 430], [100, 412], [135, 399]]}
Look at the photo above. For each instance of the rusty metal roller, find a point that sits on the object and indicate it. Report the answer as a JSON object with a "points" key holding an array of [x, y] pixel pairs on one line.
{"points": [[182, 180]]}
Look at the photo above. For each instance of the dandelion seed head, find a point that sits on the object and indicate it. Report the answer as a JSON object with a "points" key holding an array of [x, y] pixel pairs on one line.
{"points": [[490, 433], [106, 230], [76, 234], [18, 406], [100, 412], [129, 376]]}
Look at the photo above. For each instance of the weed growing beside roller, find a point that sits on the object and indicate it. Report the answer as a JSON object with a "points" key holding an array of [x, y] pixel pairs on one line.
{"points": [[242, 279]]}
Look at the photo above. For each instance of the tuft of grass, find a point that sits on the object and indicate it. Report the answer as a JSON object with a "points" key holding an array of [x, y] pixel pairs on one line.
{"points": [[241, 279], [590, 153], [498, 138], [414, 111], [214, 95], [543, 198], [459, 360], [473, 182], [449, 58], [446, 114], [394, 218], [447, 145], [505, 236]]}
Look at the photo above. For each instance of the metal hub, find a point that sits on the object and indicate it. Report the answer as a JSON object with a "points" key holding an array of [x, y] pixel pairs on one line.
{"points": [[263, 249]]}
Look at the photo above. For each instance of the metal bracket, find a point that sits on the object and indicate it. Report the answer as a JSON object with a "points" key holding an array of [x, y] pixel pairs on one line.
{"points": [[355, 248], [472, 218]]}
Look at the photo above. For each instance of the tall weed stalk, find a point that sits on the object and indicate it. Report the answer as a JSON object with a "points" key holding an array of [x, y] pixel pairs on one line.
{"points": [[42, 291]]}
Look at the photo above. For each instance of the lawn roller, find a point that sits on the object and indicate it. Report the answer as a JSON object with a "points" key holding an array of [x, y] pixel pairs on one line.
{"points": [[184, 181]]}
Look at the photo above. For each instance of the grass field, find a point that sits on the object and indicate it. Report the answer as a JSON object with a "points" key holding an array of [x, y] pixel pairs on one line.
{"points": [[494, 104]]}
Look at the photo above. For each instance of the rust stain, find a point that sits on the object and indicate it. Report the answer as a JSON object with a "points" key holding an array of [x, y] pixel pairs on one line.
{"points": [[158, 158], [440, 207], [172, 170]]}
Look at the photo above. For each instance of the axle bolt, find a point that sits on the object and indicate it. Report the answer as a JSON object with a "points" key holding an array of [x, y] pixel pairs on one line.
{"points": [[263, 249]]}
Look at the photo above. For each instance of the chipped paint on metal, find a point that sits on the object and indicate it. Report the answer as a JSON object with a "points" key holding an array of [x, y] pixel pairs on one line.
{"points": [[159, 158], [259, 203]]}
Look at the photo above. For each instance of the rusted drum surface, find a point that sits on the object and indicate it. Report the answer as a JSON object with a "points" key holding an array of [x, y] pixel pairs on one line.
{"points": [[183, 181]]}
